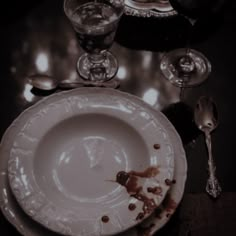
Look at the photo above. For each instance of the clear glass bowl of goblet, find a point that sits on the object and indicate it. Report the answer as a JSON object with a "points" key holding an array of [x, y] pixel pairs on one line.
{"points": [[186, 67], [95, 23]]}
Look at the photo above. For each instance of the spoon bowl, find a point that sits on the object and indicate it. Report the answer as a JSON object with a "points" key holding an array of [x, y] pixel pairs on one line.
{"points": [[42, 82], [206, 115], [48, 83]]}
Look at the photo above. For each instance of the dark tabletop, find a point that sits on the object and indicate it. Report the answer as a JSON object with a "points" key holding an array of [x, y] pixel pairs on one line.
{"points": [[41, 27]]}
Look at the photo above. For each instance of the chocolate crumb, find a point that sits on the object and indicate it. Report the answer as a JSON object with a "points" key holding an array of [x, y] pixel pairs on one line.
{"points": [[168, 182], [105, 219], [157, 146], [122, 177], [132, 206], [140, 216]]}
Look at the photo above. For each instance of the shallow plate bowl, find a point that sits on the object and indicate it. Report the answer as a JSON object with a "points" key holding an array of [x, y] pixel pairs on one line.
{"points": [[90, 161]]}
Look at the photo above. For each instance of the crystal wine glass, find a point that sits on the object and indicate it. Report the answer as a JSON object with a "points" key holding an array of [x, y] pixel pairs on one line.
{"points": [[95, 23], [186, 67]]}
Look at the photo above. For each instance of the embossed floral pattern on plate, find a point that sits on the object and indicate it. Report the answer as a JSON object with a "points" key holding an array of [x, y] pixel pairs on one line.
{"points": [[86, 217], [149, 8], [27, 227]]}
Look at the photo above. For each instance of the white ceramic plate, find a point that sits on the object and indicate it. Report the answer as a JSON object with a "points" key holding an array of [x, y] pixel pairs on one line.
{"points": [[149, 8], [27, 227], [90, 162]]}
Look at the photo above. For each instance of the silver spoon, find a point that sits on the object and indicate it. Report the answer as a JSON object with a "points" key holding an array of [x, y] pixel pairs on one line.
{"points": [[47, 83], [206, 118]]}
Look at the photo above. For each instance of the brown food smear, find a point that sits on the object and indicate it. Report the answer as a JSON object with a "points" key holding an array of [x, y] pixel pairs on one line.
{"points": [[148, 173], [169, 204], [155, 190], [130, 181], [148, 204]]}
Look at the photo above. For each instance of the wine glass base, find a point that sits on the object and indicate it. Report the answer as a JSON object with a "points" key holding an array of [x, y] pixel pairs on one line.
{"points": [[170, 70], [97, 73]]}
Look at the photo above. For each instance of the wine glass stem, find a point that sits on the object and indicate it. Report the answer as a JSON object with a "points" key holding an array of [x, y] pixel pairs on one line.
{"points": [[188, 50], [190, 32], [97, 58], [181, 93], [97, 71]]}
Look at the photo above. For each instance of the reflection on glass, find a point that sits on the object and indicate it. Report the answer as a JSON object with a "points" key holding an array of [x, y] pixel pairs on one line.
{"points": [[186, 67]]}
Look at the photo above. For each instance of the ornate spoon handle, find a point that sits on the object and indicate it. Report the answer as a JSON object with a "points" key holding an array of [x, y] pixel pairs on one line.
{"points": [[213, 187]]}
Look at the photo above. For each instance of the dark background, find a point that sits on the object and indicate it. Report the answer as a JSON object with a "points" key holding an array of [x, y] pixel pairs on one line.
{"points": [[216, 36]]}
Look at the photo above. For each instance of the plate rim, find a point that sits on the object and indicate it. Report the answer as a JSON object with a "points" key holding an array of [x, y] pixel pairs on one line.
{"points": [[177, 188], [42, 217]]}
